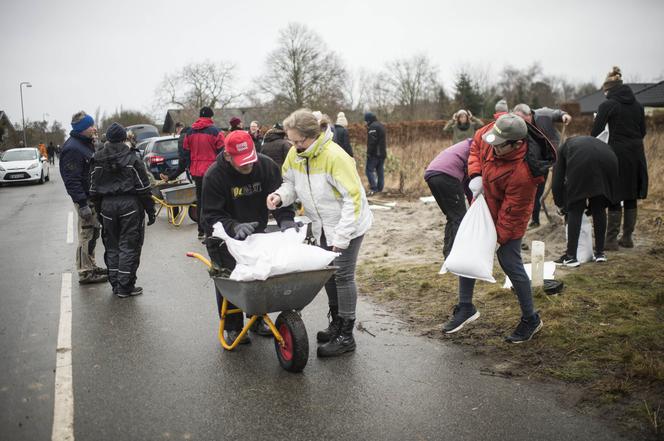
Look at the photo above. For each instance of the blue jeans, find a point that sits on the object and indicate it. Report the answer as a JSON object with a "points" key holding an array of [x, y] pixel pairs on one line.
{"points": [[341, 288], [374, 169], [509, 257]]}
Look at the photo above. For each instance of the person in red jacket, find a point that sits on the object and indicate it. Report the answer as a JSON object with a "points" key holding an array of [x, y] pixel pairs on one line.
{"points": [[498, 167], [203, 143]]}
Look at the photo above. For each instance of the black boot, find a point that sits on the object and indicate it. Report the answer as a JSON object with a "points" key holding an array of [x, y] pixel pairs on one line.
{"points": [[341, 343], [612, 230], [629, 223], [328, 333]]}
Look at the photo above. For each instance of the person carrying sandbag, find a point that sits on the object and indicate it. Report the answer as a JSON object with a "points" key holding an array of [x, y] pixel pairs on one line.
{"points": [[502, 166]]}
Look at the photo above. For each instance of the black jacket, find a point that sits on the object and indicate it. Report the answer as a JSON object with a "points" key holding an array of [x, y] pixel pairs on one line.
{"points": [[230, 197], [376, 139], [276, 146], [116, 171], [75, 159], [342, 138], [586, 167], [627, 127]]}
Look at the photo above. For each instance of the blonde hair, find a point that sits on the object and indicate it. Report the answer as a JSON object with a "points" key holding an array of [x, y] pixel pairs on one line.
{"points": [[304, 122], [76, 117]]}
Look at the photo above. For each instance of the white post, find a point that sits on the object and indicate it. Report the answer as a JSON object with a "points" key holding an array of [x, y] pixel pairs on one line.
{"points": [[537, 262]]}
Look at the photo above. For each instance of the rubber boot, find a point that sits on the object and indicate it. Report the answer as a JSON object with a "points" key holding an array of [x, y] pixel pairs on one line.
{"points": [[341, 343], [332, 330], [612, 230], [629, 224]]}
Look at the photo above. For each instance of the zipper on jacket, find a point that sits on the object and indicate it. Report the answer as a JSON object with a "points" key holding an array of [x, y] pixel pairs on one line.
{"points": [[311, 192]]}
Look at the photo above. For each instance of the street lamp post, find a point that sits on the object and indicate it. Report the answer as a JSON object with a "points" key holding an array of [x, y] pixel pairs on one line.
{"points": [[20, 86]]}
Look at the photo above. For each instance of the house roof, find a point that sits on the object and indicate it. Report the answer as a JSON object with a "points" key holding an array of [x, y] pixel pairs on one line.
{"points": [[652, 96], [590, 103]]}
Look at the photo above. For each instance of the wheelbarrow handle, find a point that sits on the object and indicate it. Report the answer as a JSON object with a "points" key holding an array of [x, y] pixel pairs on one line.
{"points": [[200, 257]]}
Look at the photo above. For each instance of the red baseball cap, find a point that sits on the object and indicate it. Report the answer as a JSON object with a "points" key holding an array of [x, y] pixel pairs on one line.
{"points": [[241, 148]]}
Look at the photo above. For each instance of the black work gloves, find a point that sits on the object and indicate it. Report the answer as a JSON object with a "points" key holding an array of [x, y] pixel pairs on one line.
{"points": [[241, 231], [152, 217], [285, 225], [85, 212]]}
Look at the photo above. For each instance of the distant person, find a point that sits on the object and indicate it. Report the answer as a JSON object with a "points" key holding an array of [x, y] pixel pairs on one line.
{"points": [[585, 178], [499, 168], [256, 136], [275, 144], [376, 154], [120, 188], [241, 213], [334, 200], [43, 151], [544, 120], [447, 178], [462, 125], [627, 127], [501, 108], [75, 160], [341, 136], [50, 150], [235, 124], [183, 155], [203, 143], [58, 149]]}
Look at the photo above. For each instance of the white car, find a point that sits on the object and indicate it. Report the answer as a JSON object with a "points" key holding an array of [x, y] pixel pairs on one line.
{"points": [[23, 165]]}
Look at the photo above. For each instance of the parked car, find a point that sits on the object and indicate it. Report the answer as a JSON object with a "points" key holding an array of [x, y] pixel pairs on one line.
{"points": [[141, 146], [161, 155], [143, 131], [24, 165]]}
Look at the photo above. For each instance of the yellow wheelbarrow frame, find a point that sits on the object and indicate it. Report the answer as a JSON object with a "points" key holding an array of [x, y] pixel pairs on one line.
{"points": [[170, 210]]}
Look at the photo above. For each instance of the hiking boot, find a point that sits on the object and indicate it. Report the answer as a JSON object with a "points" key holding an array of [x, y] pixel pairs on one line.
{"points": [[612, 230], [232, 335], [100, 270], [461, 316], [201, 235], [525, 329], [629, 223], [332, 330], [136, 291], [91, 277], [600, 257], [568, 261], [342, 342], [261, 328], [533, 224]]}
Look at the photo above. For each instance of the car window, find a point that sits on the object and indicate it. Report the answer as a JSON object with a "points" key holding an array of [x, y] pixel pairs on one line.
{"points": [[19, 155], [166, 146]]}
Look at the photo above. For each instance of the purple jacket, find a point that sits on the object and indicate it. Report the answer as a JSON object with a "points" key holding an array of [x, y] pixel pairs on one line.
{"points": [[452, 161]]}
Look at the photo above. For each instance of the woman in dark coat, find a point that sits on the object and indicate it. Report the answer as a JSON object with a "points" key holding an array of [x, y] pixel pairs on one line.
{"points": [[585, 176], [627, 127], [341, 135], [275, 144]]}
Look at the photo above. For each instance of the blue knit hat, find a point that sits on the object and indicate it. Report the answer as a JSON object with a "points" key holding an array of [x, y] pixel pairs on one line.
{"points": [[82, 125]]}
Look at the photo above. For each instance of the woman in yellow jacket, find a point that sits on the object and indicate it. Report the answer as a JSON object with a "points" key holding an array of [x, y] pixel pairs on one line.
{"points": [[324, 178]]}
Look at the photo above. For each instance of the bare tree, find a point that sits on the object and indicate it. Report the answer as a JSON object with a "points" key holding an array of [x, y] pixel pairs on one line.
{"points": [[302, 72], [413, 82]]}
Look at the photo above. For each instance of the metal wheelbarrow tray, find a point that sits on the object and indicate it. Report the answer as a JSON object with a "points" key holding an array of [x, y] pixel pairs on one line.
{"points": [[183, 194], [285, 292]]}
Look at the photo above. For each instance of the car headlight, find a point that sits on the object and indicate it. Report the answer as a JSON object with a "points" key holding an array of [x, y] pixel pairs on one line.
{"points": [[34, 165]]}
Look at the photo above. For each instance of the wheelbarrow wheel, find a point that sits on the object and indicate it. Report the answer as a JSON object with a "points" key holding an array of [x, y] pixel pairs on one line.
{"points": [[294, 354], [193, 213]]}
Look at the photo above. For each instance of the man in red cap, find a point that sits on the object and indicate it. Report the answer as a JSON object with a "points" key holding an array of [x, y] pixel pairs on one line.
{"points": [[235, 188]]}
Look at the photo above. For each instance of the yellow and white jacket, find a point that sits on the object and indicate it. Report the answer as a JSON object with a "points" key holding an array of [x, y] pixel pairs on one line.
{"points": [[325, 180]]}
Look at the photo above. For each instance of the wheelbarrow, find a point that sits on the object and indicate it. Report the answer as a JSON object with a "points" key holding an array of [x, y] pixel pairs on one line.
{"points": [[178, 198], [285, 293]]}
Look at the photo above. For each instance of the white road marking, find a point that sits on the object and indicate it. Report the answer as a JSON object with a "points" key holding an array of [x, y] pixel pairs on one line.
{"points": [[63, 409], [70, 227]]}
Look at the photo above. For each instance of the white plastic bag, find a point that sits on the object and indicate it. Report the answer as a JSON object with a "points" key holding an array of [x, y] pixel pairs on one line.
{"points": [[604, 136], [475, 244], [262, 255], [584, 251]]}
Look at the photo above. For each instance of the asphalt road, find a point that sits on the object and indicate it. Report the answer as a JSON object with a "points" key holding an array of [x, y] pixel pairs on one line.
{"points": [[151, 368]]}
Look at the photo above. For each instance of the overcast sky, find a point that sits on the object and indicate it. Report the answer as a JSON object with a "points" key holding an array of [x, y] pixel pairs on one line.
{"points": [[107, 55]]}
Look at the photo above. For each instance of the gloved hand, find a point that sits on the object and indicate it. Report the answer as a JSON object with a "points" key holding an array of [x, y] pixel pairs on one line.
{"points": [[85, 212], [152, 217], [285, 225], [475, 185], [241, 231]]}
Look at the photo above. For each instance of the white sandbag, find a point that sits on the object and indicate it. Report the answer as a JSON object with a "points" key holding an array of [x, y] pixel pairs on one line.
{"points": [[475, 244], [584, 251], [263, 255], [549, 270]]}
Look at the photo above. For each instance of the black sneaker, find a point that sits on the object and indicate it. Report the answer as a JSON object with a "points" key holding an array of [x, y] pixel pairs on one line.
{"points": [[461, 316], [231, 336], [567, 261], [525, 330], [261, 328], [600, 257], [137, 291], [91, 277], [201, 235]]}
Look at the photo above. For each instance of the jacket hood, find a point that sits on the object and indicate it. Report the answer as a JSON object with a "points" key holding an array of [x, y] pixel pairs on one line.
{"points": [[114, 153], [369, 117], [273, 135], [623, 94], [202, 123]]}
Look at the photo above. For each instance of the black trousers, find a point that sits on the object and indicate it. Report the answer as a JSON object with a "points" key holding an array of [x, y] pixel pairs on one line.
{"points": [[222, 258], [123, 232], [449, 195], [198, 181], [575, 210], [537, 207]]}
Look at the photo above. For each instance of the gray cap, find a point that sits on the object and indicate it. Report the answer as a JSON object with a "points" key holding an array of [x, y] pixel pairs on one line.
{"points": [[501, 106], [507, 128]]}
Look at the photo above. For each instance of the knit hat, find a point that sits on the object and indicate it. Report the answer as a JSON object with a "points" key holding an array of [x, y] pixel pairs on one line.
{"points": [[369, 117], [240, 146], [501, 106], [341, 119], [235, 121], [613, 79], [116, 133], [507, 128], [206, 112], [83, 124]]}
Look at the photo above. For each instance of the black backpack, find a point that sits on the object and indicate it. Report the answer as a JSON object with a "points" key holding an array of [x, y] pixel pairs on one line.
{"points": [[541, 155]]}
